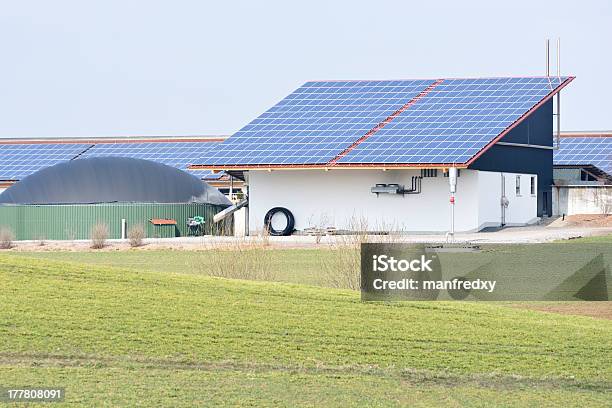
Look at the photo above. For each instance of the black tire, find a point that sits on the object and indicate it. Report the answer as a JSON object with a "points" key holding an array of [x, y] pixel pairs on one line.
{"points": [[288, 228]]}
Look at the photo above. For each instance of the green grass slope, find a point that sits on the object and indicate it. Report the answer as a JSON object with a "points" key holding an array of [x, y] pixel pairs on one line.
{"points": [[115, 336], [286, 265]]}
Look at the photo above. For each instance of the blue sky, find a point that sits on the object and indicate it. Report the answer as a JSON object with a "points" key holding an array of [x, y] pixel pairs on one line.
{"points": [[143, 67]]}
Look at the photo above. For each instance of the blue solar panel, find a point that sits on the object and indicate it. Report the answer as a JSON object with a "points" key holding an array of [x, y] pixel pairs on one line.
{"points": [[175, 154], [594, 151], [314, 123], [20, 160], [453, 122]]}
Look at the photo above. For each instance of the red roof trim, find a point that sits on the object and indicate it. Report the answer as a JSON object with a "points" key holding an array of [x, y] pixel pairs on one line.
{"points": [[385, 122], [325, 166]]}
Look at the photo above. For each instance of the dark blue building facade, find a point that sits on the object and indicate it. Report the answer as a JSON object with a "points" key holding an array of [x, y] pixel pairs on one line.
{"points": [[536, 130]]}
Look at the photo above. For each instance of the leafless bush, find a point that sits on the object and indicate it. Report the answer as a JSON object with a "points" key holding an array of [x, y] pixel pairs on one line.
{"points": [[318, 228], [71, 234], [136, 234], [40, 240], [261, 238], [343, 269], [7, 236], [224, 227], [99, 235], [248, 258]]}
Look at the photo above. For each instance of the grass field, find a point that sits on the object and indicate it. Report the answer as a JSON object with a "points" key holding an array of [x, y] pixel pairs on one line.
{"points": [[594, 239], [116, 336], [288, 265]]}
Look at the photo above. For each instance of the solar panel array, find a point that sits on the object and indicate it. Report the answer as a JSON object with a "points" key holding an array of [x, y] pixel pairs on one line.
{"points": [[448, 123], [455, 120], [175, 154], [314, 123], [20, 160], [595, 151]]}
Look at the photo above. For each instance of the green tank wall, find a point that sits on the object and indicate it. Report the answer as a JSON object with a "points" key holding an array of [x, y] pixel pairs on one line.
{"points": [[74, 221]]}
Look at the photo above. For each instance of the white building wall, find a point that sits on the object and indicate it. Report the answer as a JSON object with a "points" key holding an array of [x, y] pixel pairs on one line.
{"points": [[240, 220], [522, 207], [571, 200], [342, 198], [489, 199]]}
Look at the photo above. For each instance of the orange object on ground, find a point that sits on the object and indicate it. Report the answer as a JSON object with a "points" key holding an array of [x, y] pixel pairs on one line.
{"points": [[162, 221]]}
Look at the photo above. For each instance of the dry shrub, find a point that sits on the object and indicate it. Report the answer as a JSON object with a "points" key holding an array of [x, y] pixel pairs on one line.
{"points": [[262, 239], [224, 227], [7, 236], [71, 234], [318, 227], [343, 269], [40, 240], [136, 234], [248, 258], [99, 235]]}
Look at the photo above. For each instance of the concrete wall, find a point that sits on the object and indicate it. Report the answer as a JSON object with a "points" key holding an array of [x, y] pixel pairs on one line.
{"points": [[570, 200], [240, 222], [571, 176], [342, 198]]}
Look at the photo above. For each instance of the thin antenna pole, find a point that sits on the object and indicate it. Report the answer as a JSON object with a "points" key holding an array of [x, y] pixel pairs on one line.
{"points": [[559, 94], [547, 57], [559, 120], [558, 57]]}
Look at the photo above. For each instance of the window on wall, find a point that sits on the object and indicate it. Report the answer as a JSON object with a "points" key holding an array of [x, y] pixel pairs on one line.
{"points": [[533, 185], [518, 185], [429, 173]]}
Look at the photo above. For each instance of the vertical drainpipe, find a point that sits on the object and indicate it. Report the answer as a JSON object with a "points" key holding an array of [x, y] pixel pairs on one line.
{"points": [[231, 189], [247, 191]]}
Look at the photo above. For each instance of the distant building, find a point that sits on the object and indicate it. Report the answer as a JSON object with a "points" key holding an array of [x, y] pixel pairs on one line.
{"points": [[24, 156], [583, 174]]}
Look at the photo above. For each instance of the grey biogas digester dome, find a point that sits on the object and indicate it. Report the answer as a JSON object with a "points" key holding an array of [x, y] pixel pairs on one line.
{"points": [[67, 200], [111, 180]]}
